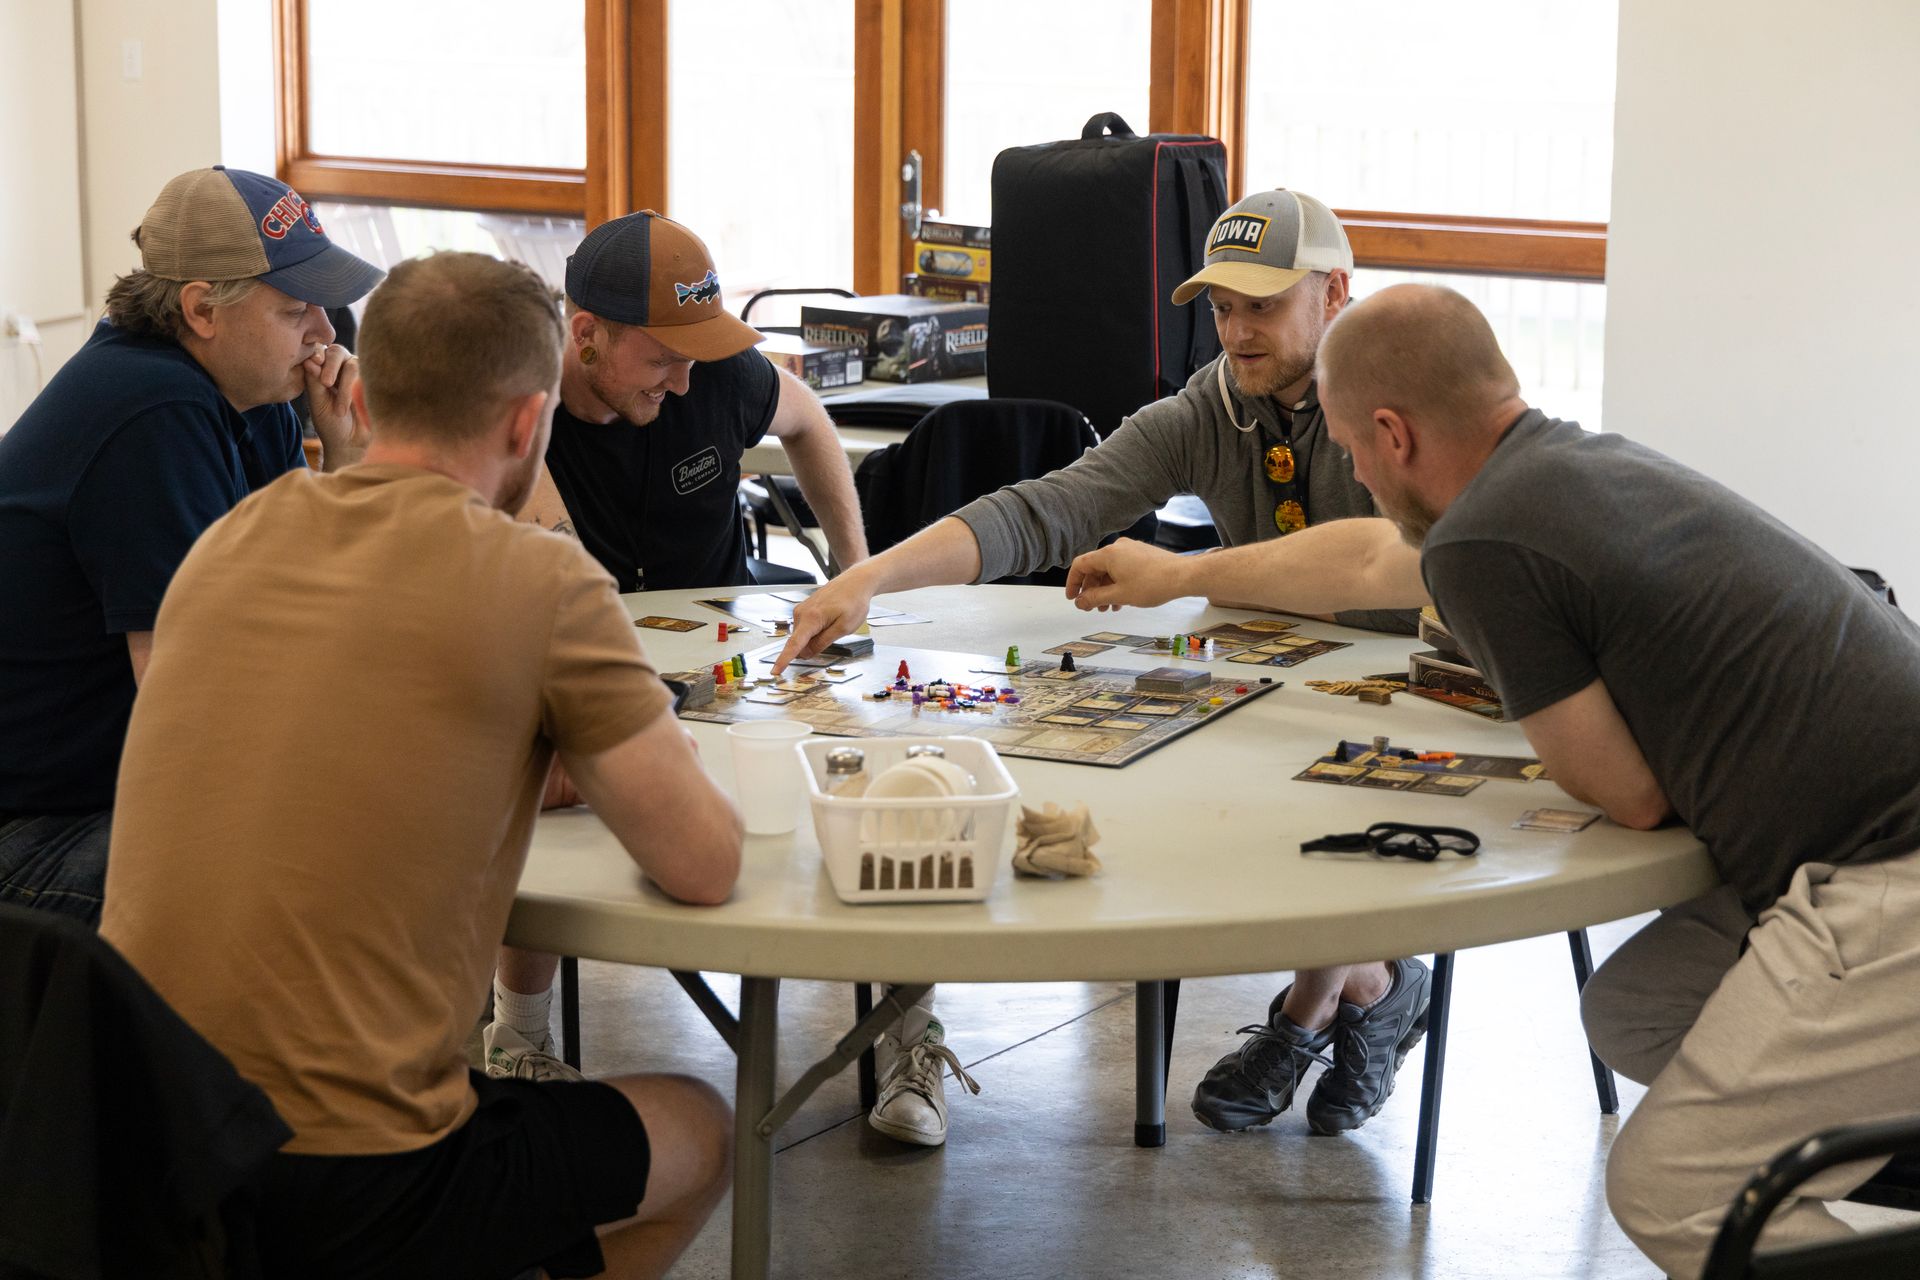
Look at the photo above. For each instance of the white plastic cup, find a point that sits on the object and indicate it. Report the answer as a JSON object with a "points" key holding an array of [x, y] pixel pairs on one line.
{"points": [[767, 774]]}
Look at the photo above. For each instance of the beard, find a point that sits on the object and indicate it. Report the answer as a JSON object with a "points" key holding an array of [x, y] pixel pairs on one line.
{"points": [[1412, 517], [1270, 374], [631, 404]]}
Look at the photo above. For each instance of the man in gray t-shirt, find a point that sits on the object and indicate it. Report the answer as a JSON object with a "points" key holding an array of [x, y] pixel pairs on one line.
{"points": [[1671, 652]]}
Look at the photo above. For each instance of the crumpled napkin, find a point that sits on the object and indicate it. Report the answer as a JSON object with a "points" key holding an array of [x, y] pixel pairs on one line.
{"points": [[1056, 842]]}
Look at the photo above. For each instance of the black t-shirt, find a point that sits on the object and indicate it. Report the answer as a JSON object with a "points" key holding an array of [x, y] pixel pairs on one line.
{"points": [[656, 504], [1770, 692], [105, 482]]}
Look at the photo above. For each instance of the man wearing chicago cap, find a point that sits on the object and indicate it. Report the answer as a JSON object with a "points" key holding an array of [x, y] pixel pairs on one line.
{"points": [[174, 410], [643, 467], [1248, 436], [645, 456]]}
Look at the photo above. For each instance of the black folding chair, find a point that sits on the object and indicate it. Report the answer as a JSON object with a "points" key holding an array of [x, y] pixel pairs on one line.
{"points": [[1887, 1255]]}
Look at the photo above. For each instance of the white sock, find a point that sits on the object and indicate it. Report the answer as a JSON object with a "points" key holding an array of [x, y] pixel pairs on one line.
{"points": [[526, 1014]]}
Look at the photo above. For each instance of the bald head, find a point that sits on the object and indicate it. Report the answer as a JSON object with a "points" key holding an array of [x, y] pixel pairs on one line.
{"points": [[1422, 351]]}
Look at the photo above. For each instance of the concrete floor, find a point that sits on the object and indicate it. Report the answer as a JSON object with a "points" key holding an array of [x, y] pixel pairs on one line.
{"points": [[1040, 1176]]}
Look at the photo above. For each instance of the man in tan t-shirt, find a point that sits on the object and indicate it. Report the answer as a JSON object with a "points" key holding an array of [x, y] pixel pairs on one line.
{"points": [[358, 687]]}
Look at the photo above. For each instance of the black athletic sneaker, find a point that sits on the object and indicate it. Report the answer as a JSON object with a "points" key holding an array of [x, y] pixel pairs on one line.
{"points": [[1368, 1047], [1255, 1083]]}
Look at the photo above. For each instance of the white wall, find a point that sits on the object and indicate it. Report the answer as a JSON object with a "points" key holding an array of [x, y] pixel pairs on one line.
{"points": [[139, 133], [41, 276], [1763, 266]]}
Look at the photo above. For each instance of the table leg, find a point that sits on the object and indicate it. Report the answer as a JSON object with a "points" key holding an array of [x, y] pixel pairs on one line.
{"points": [[1426, 1142], [752, 1150], [1149, 1065]]}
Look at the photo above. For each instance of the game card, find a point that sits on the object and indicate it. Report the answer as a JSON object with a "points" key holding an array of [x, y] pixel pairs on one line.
{"points": [[1111, 638], [1159, 707], [1106, 702], [1256, 658], [768, 693], [1079, 648], [657, 623], [1445, 784], [1126, 724], [1322, 771], [1312, 649], [1080, 718], [1054, 675], [1512, 768], [1389, 779], [1567, 820]]}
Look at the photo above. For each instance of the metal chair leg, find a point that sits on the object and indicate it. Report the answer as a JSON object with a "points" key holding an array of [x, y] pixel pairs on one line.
{"points": [[1172, 1002], [869, 1078], [1603, 1083], [570, 1010], [1426, 1139]]}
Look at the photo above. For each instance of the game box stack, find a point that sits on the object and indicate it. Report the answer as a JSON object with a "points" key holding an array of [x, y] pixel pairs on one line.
{"points": [[816, 365], [1445, 673], [903, 338], [946, 290], [954, 251]]}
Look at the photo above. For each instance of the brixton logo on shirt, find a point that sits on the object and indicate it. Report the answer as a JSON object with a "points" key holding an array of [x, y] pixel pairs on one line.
{"points": [[701, 469], [1241, 231]]}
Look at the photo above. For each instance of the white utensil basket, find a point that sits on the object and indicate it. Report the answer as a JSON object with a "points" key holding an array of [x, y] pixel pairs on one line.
{"points": [[914, 848]]}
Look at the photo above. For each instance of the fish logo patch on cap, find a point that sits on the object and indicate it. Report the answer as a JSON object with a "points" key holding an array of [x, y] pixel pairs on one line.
{"points": [[706, 290]]}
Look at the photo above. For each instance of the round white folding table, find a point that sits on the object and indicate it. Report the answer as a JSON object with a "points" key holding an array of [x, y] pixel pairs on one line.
{"points": [[1200, 841]]}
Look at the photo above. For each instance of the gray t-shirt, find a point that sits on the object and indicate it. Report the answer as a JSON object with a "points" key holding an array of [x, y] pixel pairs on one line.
{"points": [[1770, 691], [1186, 443]]}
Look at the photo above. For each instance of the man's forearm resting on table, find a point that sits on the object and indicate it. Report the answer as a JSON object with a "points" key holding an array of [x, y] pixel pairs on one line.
{"points": [[1592, 755]]}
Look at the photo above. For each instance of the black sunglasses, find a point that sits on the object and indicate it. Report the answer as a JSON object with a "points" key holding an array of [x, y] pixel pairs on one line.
{"points": [[1399, 840]]}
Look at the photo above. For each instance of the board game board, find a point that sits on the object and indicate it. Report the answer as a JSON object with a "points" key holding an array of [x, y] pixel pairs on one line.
{"points": [[1261, 642], [1088, 716]]}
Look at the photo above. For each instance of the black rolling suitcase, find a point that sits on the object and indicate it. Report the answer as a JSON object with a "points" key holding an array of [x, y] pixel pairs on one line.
{"points": [[1090, 239]]}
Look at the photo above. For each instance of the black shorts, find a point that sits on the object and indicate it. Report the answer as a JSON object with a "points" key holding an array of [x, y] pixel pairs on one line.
{"points": [[522, 1184]]}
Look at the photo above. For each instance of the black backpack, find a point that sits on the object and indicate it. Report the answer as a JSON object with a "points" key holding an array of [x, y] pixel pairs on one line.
{"points": [[1090, 239]]}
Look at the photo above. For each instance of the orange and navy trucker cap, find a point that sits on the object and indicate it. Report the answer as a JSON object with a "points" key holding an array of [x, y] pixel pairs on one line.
{"points": [[649, 271], [229, 224]]}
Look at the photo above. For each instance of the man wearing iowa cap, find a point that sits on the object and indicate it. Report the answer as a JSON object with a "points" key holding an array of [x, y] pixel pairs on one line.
{"points": [[1248, 436], [645, 458], [174, 410]]}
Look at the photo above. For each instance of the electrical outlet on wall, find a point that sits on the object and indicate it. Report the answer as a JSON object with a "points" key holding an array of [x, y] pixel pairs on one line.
{"points": [[130, 59]]}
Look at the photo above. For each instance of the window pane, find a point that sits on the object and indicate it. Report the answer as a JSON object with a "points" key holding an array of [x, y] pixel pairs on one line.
{"points": [[483, 81], [1027, 71], [1552, 331], [1496, 107], [761, 148], [386, 234]]}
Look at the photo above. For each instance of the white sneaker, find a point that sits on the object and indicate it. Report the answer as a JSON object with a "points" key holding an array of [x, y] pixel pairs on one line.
{"points": [[913, 1094], [511, 1056]]}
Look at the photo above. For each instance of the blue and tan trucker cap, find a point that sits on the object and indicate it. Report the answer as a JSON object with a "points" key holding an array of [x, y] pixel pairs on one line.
{"points": [[229, 224], [1267, 244]]}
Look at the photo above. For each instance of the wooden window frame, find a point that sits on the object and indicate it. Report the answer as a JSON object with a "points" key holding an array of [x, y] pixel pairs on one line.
{"points": [[1198, 85], [626, 132]]}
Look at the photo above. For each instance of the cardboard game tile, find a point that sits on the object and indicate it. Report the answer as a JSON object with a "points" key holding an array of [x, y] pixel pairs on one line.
{"points": [[1079, 718], [655, 622], [1160, 707], [1564, 820], [1079, 648], [1389, 779], [1340, 774], [1446, 784], [1125, 724]]}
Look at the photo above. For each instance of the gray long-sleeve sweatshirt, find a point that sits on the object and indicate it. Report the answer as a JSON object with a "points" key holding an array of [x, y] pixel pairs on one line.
{"points": [[1186, 443]]}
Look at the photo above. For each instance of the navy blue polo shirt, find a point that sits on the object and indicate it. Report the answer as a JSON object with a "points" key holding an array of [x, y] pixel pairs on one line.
{"points": [[105, 482], [657, 505]]}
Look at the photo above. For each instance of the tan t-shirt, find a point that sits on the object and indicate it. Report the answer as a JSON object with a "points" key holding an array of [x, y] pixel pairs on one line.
{"points": [[331, 776]]}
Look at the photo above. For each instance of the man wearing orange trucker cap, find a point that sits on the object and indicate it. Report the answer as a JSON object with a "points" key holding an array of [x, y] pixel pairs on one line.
{"points": [[174, 410], [1248, 436], [643, 467]]}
